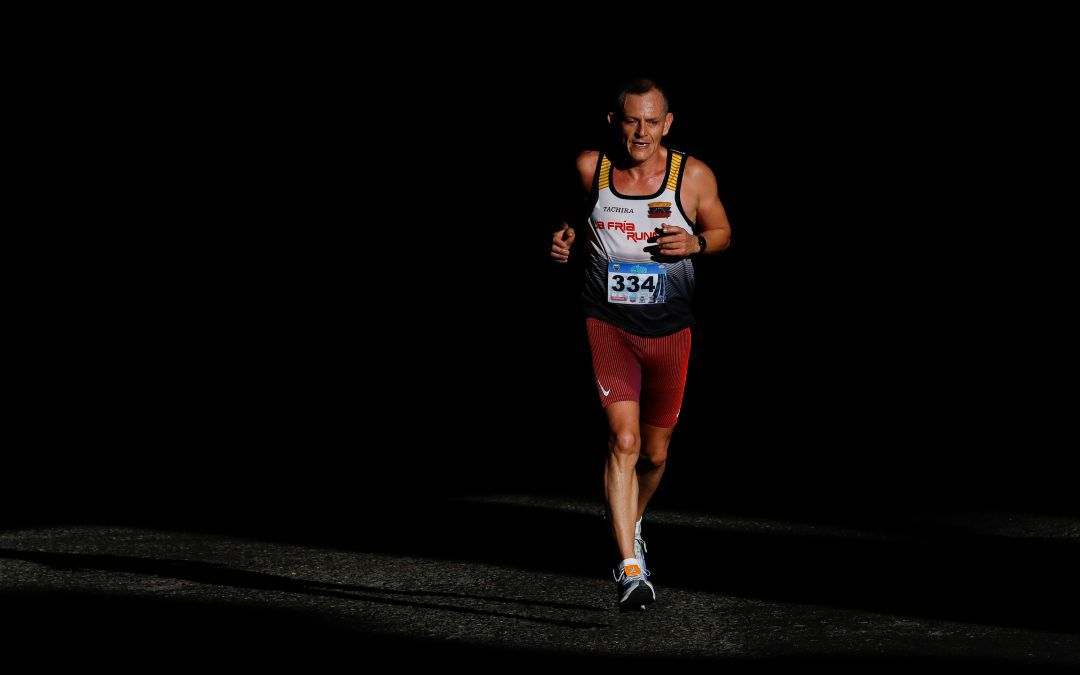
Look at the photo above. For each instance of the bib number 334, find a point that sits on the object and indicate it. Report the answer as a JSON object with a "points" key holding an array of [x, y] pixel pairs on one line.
{"points": [[636, 283]]}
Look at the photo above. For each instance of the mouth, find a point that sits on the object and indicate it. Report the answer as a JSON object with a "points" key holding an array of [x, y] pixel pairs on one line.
{"points": [[639, 144]]}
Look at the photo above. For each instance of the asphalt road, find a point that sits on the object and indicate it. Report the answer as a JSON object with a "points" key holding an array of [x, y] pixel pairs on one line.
{"points": [[523, 579]]}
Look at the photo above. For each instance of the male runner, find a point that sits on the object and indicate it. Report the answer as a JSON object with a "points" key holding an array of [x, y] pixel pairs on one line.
{"points": [[652, 208]]}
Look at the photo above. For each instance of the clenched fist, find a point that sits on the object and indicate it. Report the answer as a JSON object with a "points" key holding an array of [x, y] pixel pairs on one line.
{"points": [[675, 241], [561, 241]]}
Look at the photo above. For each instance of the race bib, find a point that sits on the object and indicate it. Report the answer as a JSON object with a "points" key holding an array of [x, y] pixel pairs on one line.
{"points": [[636, 283]]}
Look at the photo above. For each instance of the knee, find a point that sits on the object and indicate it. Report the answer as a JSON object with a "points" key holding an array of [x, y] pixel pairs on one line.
{"points": [[655, 458], [625, 444]]}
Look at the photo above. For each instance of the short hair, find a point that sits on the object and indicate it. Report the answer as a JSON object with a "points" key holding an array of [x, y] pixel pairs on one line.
{"points": [[641, 85]]}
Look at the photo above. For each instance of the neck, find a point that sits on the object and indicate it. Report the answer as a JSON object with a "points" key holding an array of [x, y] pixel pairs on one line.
{"points": [[658, 162]]}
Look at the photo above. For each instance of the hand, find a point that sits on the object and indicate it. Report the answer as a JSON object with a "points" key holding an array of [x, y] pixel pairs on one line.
{"points": [[675, 241], [561, 241]]}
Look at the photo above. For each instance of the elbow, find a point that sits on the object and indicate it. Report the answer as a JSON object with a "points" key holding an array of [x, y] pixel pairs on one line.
{"points": [[725, 243]]}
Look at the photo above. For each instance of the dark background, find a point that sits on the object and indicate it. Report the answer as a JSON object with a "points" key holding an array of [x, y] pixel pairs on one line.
{"points": [[286, 278]]}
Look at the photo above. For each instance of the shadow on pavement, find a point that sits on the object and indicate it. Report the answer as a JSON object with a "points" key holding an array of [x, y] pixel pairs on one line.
{"points": [[904, 566], [219, 575], [127, 633]]}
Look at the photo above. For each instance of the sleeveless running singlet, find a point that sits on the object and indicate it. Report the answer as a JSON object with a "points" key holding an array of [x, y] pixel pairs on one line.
{"points": [[637, 290]]}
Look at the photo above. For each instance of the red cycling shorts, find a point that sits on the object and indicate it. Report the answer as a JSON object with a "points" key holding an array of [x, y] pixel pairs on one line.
{"points": [[651, 371]]}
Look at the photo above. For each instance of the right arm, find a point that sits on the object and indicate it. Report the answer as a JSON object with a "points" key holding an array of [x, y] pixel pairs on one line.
{"points": [[563, 238]]}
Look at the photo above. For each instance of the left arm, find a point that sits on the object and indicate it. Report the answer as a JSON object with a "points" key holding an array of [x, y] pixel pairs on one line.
{"points": [[699, 192]]}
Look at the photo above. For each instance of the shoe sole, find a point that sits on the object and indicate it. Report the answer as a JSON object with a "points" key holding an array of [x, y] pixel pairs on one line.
{"points": [[639, 598]]}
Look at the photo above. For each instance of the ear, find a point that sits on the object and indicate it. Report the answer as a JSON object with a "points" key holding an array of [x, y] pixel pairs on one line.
{"points": [[668, 119]]}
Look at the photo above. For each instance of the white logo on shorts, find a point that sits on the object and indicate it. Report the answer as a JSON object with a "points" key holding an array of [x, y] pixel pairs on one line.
{"points": [[606, 391]]}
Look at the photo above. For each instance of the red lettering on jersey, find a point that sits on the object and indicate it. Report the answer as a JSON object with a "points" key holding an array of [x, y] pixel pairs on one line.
{"points": [[627, 227]]}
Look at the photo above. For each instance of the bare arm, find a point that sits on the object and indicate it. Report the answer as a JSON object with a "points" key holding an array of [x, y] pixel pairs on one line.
{"points": [[711, 216], [586, 167], [700, 198], [563, 238]]}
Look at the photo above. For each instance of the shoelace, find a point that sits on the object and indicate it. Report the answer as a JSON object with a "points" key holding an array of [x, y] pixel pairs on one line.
{"points": [[644, 548]]}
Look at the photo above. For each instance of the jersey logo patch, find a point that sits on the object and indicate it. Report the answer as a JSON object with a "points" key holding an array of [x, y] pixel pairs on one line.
{"points": [[660, 209]]}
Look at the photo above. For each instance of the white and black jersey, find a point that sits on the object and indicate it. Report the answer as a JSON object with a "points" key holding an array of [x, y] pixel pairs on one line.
{"points": [[620, 229]]}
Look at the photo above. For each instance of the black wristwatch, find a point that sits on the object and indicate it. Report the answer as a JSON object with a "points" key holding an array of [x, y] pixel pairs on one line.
{"points": [[701, 243]]}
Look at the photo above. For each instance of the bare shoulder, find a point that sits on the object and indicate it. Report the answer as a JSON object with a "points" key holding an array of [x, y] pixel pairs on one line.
{"points": [[702, 200], [699, 174], [586, 166], [586, 162]]}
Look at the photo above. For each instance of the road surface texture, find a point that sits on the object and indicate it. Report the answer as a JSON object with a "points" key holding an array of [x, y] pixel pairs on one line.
{"points": [[523, 579]]}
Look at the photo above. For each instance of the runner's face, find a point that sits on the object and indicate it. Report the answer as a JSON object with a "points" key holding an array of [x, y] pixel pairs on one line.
{"points": [[644, 122]]}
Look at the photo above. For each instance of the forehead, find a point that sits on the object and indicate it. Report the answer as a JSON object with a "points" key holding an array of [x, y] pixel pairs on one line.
{"points": [[649, 104]]}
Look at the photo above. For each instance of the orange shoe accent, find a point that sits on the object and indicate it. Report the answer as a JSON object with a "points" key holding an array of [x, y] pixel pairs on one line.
{"points": [[631, 570]]}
